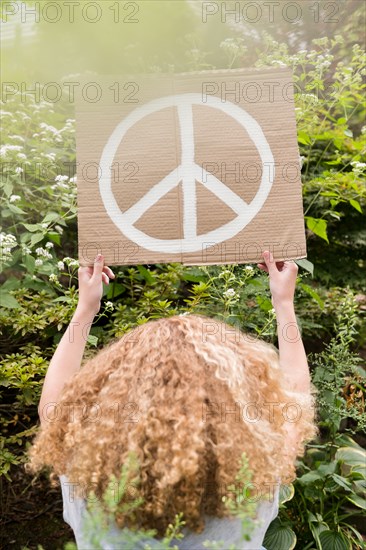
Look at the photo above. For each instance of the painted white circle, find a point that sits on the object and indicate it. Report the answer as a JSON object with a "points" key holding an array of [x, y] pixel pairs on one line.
{"points": [[188, 172]]}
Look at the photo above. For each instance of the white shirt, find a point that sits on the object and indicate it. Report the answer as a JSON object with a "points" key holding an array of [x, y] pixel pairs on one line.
{"points": [[228, 530]]}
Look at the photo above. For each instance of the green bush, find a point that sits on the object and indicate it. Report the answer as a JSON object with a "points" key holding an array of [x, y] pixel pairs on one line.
{"points": [[330, 490]]}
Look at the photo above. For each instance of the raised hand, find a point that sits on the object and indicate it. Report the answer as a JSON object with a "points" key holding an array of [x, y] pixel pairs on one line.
{"points": [[91, 281], [282, 279]]}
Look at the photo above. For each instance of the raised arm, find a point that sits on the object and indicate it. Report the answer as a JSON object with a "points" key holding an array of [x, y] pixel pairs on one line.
{"points": [[282, 283], [67, 358]]}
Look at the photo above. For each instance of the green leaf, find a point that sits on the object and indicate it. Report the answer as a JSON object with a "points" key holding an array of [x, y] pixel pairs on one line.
{"points": [[342, 482], [92, 340], [317, 527], [358, 472], [15, 209], [317, 226], [36, 238], [10, 284], [54, 237], [348, 133], [264, 303], [303, 137], [305, 264], [114, 289], [195, 276], [62, 299], [351, 456], [7, 187], [327, 469], [29, 263], [356, 205], [332, 163], [51, 217], [310, 477], [309, 290], [357, 501], [279, 536], [33, 226], [286, 493], [331, 540], [146, 274], [7, 300]]}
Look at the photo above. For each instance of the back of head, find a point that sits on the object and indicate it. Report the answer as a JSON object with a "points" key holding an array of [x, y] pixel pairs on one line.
{"points": [[187, 395]]}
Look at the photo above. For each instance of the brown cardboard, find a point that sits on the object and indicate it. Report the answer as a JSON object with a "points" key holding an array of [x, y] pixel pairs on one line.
{"points": [[206, 168]]}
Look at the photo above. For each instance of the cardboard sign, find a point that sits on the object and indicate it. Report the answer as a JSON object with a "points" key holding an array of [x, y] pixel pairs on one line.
{"points": [[198, 168]]}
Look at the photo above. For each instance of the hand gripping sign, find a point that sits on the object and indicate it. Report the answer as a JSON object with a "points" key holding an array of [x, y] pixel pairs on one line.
{"points": [[207, 174]]}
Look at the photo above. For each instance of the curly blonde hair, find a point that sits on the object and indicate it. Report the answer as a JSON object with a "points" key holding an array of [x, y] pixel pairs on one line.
{"points": [[178, 393]]}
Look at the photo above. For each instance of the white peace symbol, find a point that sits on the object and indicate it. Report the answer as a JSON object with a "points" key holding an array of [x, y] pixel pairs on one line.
{"points": [[187, 173]]}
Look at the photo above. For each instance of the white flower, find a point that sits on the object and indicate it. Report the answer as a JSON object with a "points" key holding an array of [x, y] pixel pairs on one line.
{"points": [[60, 185], [19, 138], [38, 262], [359, 165], [109, 305], [224, 273], [19, 170], [273, 311], [49, 245], [53, 278], [61, 178], [229, 293], [228, 45], [21, 156], [60, 265], [73, 263], [249, 268], [363, 130], [26, 249], [14, 198], [5, 148], [59, 229], [44, 225], [43, 252], [7, 241], [279, 63], [302, 161], [73, 180]]}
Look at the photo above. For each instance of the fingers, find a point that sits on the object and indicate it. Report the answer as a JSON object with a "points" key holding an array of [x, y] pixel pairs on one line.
{"points": [[271, 266], [105, 278], [99, 267], [109, 272], [278, 266]]}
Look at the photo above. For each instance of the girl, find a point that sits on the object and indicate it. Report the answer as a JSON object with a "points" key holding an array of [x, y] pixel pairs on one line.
{"points": [[187, 395]]}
